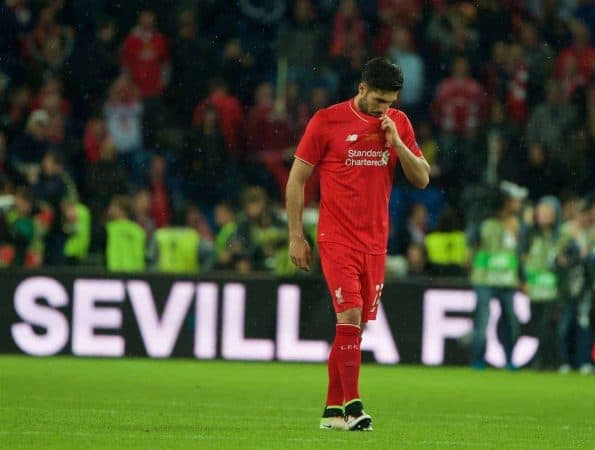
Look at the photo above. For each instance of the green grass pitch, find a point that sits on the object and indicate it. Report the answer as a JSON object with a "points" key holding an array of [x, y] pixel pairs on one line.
{"points": [[68, 403]]}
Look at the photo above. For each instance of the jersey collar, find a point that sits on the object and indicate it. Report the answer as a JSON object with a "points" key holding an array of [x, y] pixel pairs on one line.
{"points": [[360, 115]]}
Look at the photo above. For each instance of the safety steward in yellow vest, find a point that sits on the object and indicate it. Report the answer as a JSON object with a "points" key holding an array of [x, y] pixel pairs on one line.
{"points": [[179, 248], [126, 241]]}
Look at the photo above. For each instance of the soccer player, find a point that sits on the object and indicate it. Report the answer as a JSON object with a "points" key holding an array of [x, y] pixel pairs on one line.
{"points": [[356, 145]]}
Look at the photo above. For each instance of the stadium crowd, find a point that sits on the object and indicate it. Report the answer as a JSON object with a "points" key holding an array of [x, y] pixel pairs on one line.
{"points": [[152, 134]]}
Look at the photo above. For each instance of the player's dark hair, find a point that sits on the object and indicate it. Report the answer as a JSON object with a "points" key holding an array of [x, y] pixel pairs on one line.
{"points": [[382, 74]]}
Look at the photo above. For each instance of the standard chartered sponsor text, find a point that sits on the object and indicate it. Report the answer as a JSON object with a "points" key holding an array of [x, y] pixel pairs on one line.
{"points": [[363, 158]]}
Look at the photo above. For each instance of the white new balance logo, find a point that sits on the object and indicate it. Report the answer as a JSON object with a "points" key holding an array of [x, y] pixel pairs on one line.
{"points": [[339, 295], [351, 138]]}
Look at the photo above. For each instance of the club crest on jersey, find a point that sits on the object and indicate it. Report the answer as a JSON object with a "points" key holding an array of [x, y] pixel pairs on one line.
{"points": [[385, 157], [351, 138]]}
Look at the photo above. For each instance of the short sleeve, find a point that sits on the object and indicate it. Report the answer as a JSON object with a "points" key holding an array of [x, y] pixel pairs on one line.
{"points": [[408, 135], [312, 146]]}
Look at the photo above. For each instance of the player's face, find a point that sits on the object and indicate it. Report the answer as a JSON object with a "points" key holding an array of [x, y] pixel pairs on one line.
{"points": [[374, 102]]}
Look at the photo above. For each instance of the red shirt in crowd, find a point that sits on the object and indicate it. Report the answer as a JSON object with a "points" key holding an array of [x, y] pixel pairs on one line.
{"points": [[395, 12], [145, 54], [459, 105], [516, 99], [160, 206], [265, 131], [357, 167], [231, 118], [583, 58]]}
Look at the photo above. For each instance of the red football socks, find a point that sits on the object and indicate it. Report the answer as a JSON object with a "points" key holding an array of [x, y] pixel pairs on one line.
{"points": [[348, 359], [334, 395]]}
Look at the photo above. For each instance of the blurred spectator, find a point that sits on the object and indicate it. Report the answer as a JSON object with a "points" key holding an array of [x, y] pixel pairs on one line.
{"points": [[348, 46], [145, 55], [590, 136], [125, 240], [495, 71], [94, 64], [416, 259], [494, 24], [415, 229], [13, 20], [237, 70], [268, 134], [495, 275], [401, 51], [51, 87], [198, 221], [297, 108], [17, 229], [550, 122], [54, 186], [48, 45], [268, 13], [575, 65], [260, 233], [161, 204], [541, 175], [459, 109], [123, 114], [191, 65], [77, 227], [497, 149], [585, 10], [539, 246], [58, 129], [230, 112], [301, 41], [54, 183], [571, 202], [206, 163], [104, 179], [518, 81], [394, 14], [7, 172], [539, 57], [27, 150], [177, 247], [15, 117], [573, 331], [226, 229], [459, 105], [94, 135], [447, 247], [452, 38], [141, 211]]}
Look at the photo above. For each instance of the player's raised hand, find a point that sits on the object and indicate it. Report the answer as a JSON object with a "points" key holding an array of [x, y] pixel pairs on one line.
{"points": [[300, 253], [388, 126]]}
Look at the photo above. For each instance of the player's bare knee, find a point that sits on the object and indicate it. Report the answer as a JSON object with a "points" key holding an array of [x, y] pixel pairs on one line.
{"points": [[352, 316]]}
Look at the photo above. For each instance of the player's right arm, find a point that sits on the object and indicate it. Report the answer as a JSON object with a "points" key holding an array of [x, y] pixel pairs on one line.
{"points": [[299, 249], [309, 153]]}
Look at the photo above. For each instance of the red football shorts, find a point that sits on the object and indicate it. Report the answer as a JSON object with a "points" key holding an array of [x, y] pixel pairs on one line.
{"points": [[354, 279]]}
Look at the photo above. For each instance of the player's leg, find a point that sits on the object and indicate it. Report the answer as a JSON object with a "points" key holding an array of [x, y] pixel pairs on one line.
{"points": [[509, 324], [341, 274], [347, 346], [333, 415], [372, 282], [480, 324]]}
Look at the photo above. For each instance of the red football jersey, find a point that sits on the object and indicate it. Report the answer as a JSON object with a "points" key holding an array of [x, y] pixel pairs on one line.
{"points": [[145, 55], [357, 167]]}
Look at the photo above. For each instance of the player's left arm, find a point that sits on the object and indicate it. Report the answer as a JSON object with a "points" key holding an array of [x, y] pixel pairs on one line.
{"points": [[415, 167]]}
